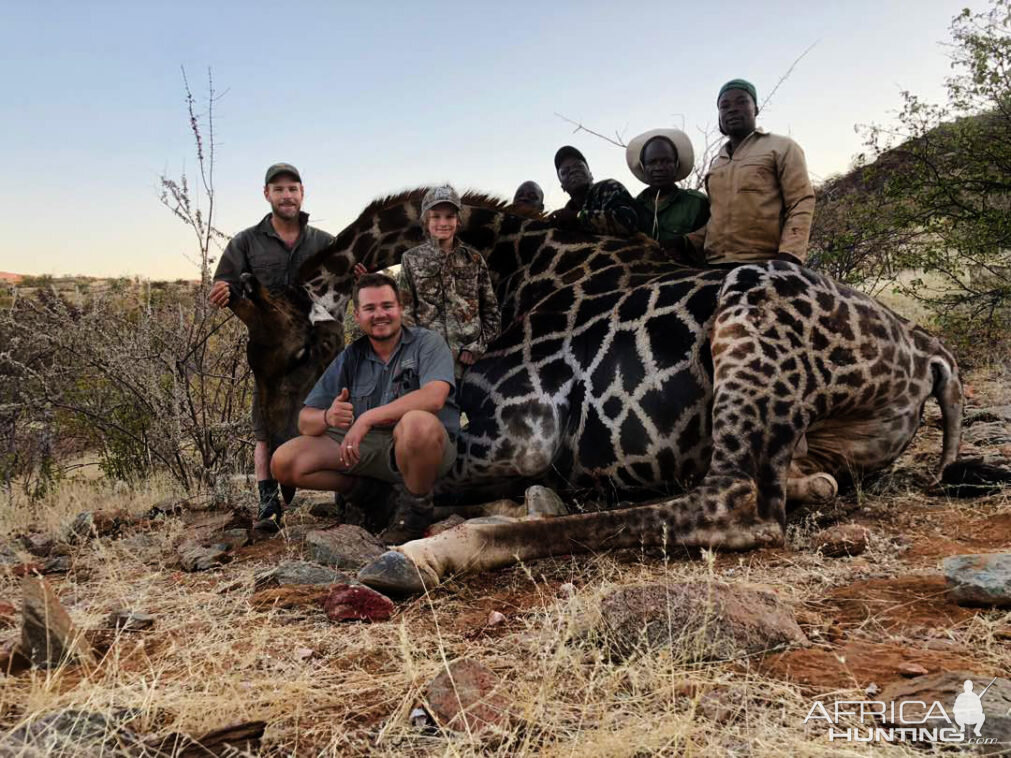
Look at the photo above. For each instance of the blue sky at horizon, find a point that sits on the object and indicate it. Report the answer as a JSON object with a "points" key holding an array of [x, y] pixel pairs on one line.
{"points": [[367, 99]]}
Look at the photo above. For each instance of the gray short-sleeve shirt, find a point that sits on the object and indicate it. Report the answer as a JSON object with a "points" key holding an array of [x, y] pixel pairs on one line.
{"points": [[421, 357]]}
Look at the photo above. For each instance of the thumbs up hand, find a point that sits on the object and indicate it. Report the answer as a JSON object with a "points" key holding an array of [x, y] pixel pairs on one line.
{"points": [[340, 413]]}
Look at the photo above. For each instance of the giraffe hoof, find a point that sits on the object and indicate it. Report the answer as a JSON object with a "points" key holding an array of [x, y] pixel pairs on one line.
{"points": [[396, 573], [823, 487]]}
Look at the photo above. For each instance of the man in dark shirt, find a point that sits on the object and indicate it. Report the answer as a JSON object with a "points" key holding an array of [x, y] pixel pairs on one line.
{"points": [[604, 207], [272, 251], [384, 409]]}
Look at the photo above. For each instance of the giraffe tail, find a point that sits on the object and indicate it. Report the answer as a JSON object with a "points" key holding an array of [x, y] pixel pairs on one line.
{"points": [[948, 393]]}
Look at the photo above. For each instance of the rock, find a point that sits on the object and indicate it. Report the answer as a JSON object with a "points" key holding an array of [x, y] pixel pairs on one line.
{"points": [[48, 636], [72, 733], [13, 661], [567, 590], [447, 523], [841, 540], [40, 545], [290, 596], [237, 739], [495, 618], [911, 669], [983, 579], [132, 621], [345, 546], [90, 524], [542, 502], [999, 413], [698, 620], [327, 510], [195, 557], [233, 539], [8, 554], [357, 603], [920, 693], [299, 572], [58, 564], [468, 697]]}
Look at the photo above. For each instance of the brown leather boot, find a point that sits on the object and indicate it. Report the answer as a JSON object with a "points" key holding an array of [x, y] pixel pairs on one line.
{"points": [[411, 518]]}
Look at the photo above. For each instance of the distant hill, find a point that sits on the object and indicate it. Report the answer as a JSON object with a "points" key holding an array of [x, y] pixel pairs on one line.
{"points": [[7, 276]]}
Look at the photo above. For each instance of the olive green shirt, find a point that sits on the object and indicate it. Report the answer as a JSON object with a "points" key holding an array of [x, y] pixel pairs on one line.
{"points": [[678, 212], [260, 251]]}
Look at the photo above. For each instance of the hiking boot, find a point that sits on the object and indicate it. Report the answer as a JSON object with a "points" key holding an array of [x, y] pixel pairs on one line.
{"points": [[271, 511], [411, 518]]}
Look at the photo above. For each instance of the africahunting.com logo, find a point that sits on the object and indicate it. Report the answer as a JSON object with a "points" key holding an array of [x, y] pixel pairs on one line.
{"points": [[906, 720]]}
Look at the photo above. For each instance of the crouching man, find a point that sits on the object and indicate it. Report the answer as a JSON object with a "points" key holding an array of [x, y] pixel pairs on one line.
{"points": [[385, 409]]}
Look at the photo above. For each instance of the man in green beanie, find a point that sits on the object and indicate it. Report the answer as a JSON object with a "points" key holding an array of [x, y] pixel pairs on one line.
{"points": [[760, 195]]}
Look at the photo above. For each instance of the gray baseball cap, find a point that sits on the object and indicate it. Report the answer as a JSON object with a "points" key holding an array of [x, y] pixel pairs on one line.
{"points": [[437, 195], [282, 168]]}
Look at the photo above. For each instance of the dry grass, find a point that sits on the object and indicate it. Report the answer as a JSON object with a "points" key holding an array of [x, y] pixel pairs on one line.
{"points": [[327, 689]]}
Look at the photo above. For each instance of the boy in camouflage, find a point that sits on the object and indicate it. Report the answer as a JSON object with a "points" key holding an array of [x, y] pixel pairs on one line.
{"points": [[445, 285]]}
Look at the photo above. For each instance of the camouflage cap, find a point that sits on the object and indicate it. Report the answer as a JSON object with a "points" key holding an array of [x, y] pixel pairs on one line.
{"points": [[437, 195], [282, 168]]}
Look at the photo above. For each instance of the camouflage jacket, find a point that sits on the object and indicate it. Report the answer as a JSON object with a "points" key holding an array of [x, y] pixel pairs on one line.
{"points": [[609, 208], [451, 294]]}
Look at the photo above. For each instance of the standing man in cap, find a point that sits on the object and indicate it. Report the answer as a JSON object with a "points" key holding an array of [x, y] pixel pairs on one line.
{"points": [[529, 195], [661, 158], [272, 251], [445, 286], [760, 195], [605, 207]]}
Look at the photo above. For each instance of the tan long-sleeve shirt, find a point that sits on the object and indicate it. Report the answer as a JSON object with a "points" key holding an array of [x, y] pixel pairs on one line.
{"points": [[761, 201]]}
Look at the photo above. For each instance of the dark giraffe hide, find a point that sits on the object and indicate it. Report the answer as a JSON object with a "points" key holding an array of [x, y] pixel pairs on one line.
{"points": [[618, 369]]}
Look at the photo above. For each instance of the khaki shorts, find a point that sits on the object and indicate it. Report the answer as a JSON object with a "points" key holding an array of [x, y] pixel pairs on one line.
{"points": [[377, 460]]}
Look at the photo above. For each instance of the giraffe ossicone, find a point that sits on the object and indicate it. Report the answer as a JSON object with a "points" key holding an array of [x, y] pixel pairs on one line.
{"points": [[621, 370]]}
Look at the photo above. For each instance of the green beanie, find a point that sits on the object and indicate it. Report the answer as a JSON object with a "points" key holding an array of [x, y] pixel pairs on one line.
{"points": [[739, 84]]}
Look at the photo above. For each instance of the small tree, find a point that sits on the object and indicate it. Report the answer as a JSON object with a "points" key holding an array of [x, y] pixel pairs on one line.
{"points": [[943, 184]]}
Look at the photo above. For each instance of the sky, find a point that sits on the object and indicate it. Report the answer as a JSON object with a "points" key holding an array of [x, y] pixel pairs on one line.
{"points": [[368, 98]]}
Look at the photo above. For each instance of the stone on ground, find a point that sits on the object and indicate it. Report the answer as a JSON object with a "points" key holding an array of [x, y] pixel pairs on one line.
{"points": [[72, 733], [196, 557], [983, 579], [841, 540], [9, 554], [233, 539], [468, 697], [346, 546], [357, 603], [132, 621], [698, 620], [101, 523], [326, 509], [299, 572], [543, 502], [48, 636]]}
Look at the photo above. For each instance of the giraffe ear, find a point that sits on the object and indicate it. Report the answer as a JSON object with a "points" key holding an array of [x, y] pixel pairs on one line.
{"points": [[247, 306], [251, 288]]}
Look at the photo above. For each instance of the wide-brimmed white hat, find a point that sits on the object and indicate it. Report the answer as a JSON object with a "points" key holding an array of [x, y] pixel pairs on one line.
{"points": [[683, 145]]}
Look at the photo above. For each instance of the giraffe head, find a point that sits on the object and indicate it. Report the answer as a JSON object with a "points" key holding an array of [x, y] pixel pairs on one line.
{"points": [[287, 352]]}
